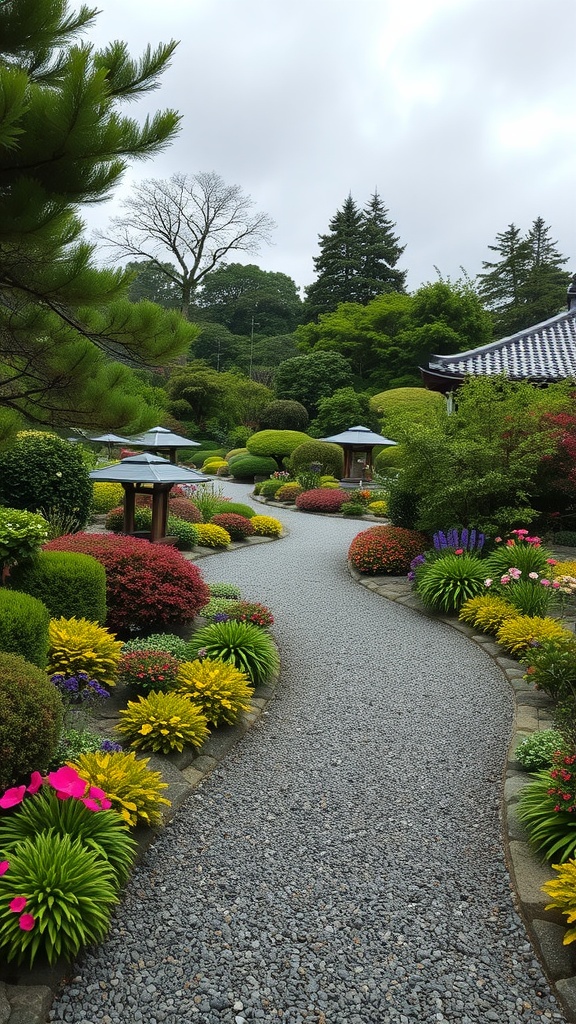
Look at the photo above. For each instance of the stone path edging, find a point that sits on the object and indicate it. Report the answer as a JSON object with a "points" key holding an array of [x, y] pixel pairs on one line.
{"points": [[532, 712]]}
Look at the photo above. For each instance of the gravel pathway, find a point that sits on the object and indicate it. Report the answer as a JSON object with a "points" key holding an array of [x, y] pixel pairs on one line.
{"points": [[344, 863]]}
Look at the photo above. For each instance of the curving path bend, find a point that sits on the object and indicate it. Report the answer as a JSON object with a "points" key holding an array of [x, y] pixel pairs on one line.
{"points": [[344, 864]]}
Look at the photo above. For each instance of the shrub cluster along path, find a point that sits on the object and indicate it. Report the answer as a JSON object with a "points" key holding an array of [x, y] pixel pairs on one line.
{"points": [[344, 864]]}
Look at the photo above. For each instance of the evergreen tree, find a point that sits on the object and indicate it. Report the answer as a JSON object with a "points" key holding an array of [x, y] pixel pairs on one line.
{"points": [[68, 334], [380, 253], [527, 284]]}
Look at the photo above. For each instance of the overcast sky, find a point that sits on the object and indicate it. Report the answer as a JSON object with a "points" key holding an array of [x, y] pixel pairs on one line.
{"points": [[460, 113]]}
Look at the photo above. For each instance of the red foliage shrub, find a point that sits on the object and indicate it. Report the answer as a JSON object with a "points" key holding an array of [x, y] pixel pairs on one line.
{"points": [[386, 549], [238, 527], [181, 507], [322, 499], [146, 584]]}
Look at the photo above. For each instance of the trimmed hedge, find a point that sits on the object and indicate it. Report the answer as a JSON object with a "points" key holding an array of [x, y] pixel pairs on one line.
{"points": [[24, 622], [31, 717], [249, 466], [239, 527], [69, 584], [328, 455], [275, 443]]}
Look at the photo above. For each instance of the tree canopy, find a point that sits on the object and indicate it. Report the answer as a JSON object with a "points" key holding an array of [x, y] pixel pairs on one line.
{"points": [[248, 300], [68, 334], [307, 379]]}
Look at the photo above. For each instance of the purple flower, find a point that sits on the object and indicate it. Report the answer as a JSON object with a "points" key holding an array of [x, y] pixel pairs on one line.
{"points": [[220, 617], [110, 747]]}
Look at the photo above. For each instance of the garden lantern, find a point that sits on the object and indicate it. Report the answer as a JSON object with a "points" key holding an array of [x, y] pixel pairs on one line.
{"points": [[358, 443], [160, 439]]}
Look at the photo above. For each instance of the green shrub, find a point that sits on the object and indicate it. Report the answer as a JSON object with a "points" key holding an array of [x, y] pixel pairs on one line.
{"points": [[402, 506], [103, 832], [268, 488], [549, 819], [218, 689], [277, 444], [447, 582], [236, 453], [249, 466], [236, 508], [106, 496], [31, 714], [243, 644], [142, 519], [162, 722], [68, 584], [208, 499], [74, 742], [352, 508], [133, 788], [168, 642], [229, 590], [329, 456], [77, 645], [284, 414], [520, 632], [24, 623], [565, 538], [41, 471], [21, 535], [551, 667], [391, 457], [536, 752], [70, 892], [526, 557], [217, 606]]}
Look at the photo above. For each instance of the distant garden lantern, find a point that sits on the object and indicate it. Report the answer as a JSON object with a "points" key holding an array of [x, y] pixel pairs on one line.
{"points": [[358, 444], [147, 474], [112, 440], [160, 439]]}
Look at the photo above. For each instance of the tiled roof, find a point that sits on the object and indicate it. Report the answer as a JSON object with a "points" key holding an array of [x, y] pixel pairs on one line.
{"points": [[545, 352]]}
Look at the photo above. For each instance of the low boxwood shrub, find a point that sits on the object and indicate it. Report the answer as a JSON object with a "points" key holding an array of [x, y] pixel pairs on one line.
{"points": [[147, 585], [249, 466], [385, 549], [251, 649], [269, 488], [236, 508], [536, 752], [212, 536], [24, 622], [68, 583], [289, 492], [106, 496], [266, 526], [328, 456], [520, 632], [218, 689], [322, 499], [77, 645], [162, 723], [224, 590], [486, 612], [134, 789], [143, 671], [445, 583], [352, 508], [239, 527], [31, 713]]}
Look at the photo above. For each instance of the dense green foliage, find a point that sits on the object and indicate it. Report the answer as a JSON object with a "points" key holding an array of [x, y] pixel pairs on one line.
{"points": [[24, 622], [42, 472], [284, 414], [30, 720], [445, 583], [68, 583], [329, 456]]}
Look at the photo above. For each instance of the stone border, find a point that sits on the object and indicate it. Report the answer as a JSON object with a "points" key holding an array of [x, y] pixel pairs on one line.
{"points": [[545, 928]]}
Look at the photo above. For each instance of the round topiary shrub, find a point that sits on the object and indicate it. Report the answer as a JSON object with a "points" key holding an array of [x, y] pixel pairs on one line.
{"points": [[239, 527], [330, 457], [266, 526], [386, 549], [236, 507], [275, 443], [66, 582], [42, 472], [289, 492], [322, 499], [284, 414], [147, 584], [235, 453], [31, 717], [249, 466], [106, 495], [391, 457], [212, 536], [24, 622], [269, 488]]}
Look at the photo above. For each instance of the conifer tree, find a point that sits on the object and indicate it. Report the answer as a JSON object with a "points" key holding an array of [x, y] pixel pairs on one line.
{"points": [[68, 334], [380, 252]]}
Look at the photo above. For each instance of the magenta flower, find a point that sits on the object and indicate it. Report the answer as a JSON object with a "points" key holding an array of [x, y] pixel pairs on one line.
{"points": [[4, 866], [97, 793], [514, 573], [504, 580], [67, 782], [18, 904], [545, 583], [27, 922], [35, 783], [12, 797]]}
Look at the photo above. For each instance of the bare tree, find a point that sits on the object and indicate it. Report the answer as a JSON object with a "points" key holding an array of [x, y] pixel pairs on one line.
{"points": [[196, 219]]}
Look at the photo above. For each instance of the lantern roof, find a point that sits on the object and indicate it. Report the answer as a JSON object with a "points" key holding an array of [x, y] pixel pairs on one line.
{"points": [[359, 437], [110, 439], [147, 468], [161, 437]]}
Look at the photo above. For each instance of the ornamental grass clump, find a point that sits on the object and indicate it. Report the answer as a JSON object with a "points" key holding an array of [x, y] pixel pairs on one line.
{"points": [[547, 809], [143, 671], [386, 549], [520, 551], [562, 889], [536, 752], [521, 632], [486, 612], [77, 645], [162, 723], [266, 526], [134, 789], [444, 584], [248, 647], [56, 896], [217, 688]]}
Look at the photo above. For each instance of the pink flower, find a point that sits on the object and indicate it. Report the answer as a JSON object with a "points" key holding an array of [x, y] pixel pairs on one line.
{"points": [[459, 551], [533, 575], [12, 797], [555, 585], [504, 580], [488, 583], [497, 540], [27, 922], [35, 783], [4, 866], [551, 561], [18, 904], [67, 782], [514, 573], [96, 792], [545, 583]]}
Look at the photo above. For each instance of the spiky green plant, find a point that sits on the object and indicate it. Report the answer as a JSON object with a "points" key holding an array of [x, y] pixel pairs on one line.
{"points": [[251, 649], [134, 789], [552, 832], [102, 832], [447, 582], [162, 722], [64, 892], [217, 688]]}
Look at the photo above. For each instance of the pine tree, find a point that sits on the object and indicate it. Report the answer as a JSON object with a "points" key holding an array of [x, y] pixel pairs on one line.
{"points": [[68, 334], [380, 253], [527, 285]]}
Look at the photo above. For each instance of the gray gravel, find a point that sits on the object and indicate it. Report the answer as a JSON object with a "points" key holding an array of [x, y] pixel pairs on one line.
{"points": [[344, 864]]}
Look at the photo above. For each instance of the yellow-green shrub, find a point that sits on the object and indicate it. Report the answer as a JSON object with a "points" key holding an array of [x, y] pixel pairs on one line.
{"points": [[518, 632], [377, 508], [486, 612], [212, 536], [106, 496], [266, 526], [329, 481], [219, 689], [563, 569], [212, 465], [133, 788], [162, 722], [562, 889], [78, 645]]}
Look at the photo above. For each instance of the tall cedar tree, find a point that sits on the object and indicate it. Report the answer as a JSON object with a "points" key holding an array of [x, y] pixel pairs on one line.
{"points": [[357, 259], [68, 334], [527, 284]]}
